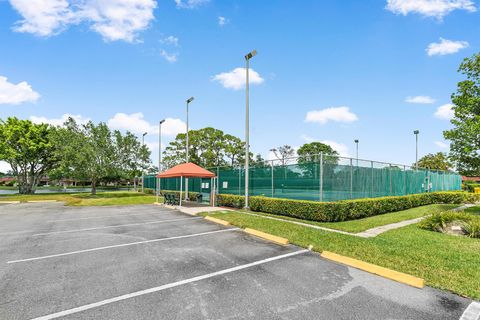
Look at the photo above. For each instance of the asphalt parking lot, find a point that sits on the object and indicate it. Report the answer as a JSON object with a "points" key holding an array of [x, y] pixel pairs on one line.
{"points": [[149, 262]]}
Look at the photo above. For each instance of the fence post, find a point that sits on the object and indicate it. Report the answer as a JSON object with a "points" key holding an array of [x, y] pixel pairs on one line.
{"points": [[390, 178], [351, 178], [239, 179], [321, 176], [371, 162], [218, 180], [405, 180], [271, 169]]}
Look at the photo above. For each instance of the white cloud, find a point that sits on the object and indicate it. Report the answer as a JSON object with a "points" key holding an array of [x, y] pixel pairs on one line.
{"points": [[190, 4], [222, 21], [16, 93], [445, 112], [170, 57], [429, 8], [337, 114], [114, 20], [60, 121], [441, 144], [445, 47], [136, 124], [339, 147], [235, 79], [170, 40], [4, 167], [43, 17], [420, 100]]}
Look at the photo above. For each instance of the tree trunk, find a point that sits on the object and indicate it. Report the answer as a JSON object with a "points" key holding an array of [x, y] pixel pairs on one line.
{"points": [[94, 187]]}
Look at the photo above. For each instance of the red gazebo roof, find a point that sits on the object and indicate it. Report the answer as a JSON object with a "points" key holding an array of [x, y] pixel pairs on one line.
{"points": [[188, 170]]}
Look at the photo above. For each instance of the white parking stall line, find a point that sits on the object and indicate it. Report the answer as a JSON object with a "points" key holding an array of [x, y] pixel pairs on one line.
{"points": [[472, 312], [122, 245], [103, 217], [115, 226], [166, 286]]}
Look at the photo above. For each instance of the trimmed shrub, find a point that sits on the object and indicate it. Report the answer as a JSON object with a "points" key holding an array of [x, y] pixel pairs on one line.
{"points": [[440, 222], [191, 194], [470, 187], [347, 209]]}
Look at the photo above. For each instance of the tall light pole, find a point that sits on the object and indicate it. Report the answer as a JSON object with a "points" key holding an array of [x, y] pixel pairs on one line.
{"points": [[247, 125], [159, 154], [356, 147], [416, 132], [187, 156], [143, 162]]}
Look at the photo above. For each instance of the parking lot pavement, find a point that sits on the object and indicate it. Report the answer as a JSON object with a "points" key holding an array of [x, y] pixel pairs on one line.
{"points": [[148, 262]]}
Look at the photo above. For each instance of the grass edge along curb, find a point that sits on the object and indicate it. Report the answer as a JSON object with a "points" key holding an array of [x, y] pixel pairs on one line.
{"points": [[377, 270], [346, 209], [219, 221], [267, 236]]}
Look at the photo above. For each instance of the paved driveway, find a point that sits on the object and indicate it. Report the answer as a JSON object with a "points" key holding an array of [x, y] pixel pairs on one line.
{"points": [[148, 262]]}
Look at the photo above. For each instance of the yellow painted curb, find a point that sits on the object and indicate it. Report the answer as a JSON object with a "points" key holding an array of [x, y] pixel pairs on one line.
{"points": [[219, 221], [267, 236], [9, 202], [158, 203], [381, 271], [41, 201]]}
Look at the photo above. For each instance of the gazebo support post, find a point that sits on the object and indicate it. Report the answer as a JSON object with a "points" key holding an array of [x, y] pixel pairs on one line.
{"points": [[181, 188]]}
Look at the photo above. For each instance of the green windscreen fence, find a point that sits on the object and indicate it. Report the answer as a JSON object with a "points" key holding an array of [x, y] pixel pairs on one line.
{"points": [[328, 178]]}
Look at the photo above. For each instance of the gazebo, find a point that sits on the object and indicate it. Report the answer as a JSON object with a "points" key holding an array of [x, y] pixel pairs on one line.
{"points": [[188, 170]]}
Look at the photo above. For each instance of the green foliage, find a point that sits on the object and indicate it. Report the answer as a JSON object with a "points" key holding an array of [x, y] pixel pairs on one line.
{"points": [[437, 161], [470, 187], [465, 145], [91, 152], [344, 210], [439, 222], [28, 149], [309, 152]]}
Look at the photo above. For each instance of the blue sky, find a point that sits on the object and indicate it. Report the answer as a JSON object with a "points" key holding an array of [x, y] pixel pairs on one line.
{"points": [[331, 71]]}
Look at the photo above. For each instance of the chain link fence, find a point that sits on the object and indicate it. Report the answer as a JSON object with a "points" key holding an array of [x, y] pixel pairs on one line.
{"points": [[323, 178]]}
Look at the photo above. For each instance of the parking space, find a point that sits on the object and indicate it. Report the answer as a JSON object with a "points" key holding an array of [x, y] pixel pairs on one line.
{"points": [[149, 262]]}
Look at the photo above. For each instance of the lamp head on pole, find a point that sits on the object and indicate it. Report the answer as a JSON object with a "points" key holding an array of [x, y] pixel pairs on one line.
{"points": [[356, 141], [190, 99], [250, 55], [416, 132], [144, 134], [162, 121]]}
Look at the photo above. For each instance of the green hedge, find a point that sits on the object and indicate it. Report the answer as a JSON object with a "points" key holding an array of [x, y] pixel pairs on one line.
{"points": [[344, 210], [191, 194], [471, 186]]}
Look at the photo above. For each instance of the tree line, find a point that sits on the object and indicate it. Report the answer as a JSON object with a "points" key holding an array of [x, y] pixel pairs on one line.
{"points": [[85, 152]]}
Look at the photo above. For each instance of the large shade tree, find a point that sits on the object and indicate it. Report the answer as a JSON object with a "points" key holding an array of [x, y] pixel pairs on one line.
{"points": [[28, 149], [92, 152], [437, 161], [465, 134]]}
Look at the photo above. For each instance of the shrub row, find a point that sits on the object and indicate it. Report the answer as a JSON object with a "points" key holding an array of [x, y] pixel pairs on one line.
{"points": [[470, 187], [191, 194], [346, 209]]}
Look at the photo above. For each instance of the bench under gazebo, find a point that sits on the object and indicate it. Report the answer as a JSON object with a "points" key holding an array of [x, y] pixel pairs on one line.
{"points": [[189, 170]]}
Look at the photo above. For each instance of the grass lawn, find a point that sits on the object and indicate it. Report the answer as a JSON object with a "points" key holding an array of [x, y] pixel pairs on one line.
{"points": [[82, 199], [444, 261], [360, 225], [473, 210]]}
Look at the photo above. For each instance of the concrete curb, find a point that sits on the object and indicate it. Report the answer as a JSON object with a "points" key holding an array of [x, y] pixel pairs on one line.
{"points": [[41, 201], [380, 271], [267, 236], [219, 221], [9, 202]]}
